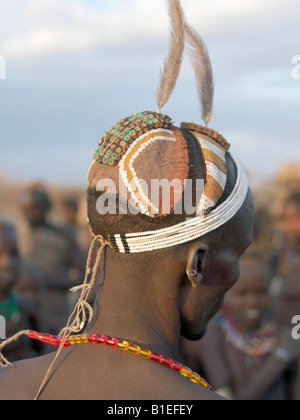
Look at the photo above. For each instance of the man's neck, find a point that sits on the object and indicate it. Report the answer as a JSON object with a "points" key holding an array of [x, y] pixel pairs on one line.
{"points": [[134, 329], [123, 314]]}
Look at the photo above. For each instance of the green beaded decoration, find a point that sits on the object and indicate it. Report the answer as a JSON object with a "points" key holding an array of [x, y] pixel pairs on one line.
{"points": [[118, 139]]}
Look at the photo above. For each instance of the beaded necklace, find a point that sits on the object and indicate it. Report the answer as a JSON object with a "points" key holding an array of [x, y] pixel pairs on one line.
{"points": [[253, 345], [124, 346]]}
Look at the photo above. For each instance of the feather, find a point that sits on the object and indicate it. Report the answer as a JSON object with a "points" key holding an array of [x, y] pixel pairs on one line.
{"points": [[172, 63], [203, 72]]}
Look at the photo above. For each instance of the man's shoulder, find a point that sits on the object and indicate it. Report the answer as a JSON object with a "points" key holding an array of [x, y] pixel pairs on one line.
{"points": [[22, 380], [184, 389], [168, 385]]}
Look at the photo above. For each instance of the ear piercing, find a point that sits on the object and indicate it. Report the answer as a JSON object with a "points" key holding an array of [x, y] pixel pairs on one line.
{"points": [[193, 274]]}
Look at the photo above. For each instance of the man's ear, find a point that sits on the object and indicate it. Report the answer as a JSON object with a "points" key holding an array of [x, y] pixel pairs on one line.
{"points": [[196, 260]]}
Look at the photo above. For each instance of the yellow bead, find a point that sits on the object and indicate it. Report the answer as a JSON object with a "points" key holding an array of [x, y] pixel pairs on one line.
{"points": [[203, 383], [85, 339], [72, 340], [134, 349], [144, 353], [186, 372], [123, 345], [196, 378]]}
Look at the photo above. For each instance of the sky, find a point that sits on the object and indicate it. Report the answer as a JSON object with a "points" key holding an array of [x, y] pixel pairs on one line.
{"points": [[75, 67]]}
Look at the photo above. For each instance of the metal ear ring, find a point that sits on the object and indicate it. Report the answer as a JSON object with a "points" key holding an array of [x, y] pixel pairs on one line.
{"points": [[193, 274]]}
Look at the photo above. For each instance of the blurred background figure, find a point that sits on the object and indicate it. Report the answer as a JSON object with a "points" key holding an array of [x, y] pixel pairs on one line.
{"points": [[70, 209], [244, 355], [28, 284], [55, 253], [19, 312], [286, 283]]}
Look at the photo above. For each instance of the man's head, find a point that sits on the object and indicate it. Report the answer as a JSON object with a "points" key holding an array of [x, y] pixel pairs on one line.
{"points": [[9, 256], [196, 274]]}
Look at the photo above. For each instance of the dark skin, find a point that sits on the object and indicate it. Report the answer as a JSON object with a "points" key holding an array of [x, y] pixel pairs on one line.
{"points": [[150, 305], [249, 300]]}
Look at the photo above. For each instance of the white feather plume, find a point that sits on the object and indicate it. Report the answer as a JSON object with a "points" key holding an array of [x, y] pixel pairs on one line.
{"points": [[203, 72], [172, 63]]}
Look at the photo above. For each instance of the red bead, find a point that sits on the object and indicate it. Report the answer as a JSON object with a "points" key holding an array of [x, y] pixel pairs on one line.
{"points": [[102, 339], [66, 345], [112, 342], [166, 361], [32, 335], [177, 366], [55, 341], [45, 338], [155, 357], [93, 338]]}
